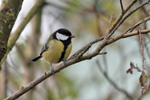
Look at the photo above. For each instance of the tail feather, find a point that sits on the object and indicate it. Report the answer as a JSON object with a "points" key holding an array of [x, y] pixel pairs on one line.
{"points": [[37, 58]]}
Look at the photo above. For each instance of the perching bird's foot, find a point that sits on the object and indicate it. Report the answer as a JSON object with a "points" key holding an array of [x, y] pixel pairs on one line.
{"points": [[52, 69], [65, 62]]}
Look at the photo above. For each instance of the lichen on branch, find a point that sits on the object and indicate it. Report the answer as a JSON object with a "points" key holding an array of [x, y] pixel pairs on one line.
{"points": [[8, 13]]}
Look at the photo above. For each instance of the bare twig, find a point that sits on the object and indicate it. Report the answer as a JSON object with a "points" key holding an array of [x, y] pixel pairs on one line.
{"points": [[131, 12], [85, 48], [121, 4], [72, 60], [102, 53], [132, 66], [142, 49], [137, 24], [113, 83], [113, 28], [80, 54], [111, 20], [127, 16]]}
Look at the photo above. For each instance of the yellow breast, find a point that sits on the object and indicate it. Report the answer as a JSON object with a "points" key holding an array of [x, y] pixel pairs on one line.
{"points": [[68, 51], [54, 52]]}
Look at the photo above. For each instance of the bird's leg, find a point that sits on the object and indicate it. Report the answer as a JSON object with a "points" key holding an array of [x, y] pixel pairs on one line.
{"points": [[51, 68], [65, 62]]}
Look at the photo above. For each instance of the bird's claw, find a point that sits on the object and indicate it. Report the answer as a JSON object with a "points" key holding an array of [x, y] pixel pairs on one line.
{"points": [[65, 62], [52, 69]]}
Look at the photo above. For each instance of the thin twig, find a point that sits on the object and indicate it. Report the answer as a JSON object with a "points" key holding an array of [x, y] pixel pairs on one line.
{"points": [[127, 35], [80, 54], [127, 16], [72, 60], [111, 20], [131, 12], [112, 82], [142, 49], [119, 19], [121, 4], [85, 48], [137, 24]]}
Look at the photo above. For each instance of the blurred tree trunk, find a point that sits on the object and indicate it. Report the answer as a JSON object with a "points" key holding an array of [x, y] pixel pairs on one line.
{"points": [[8, 13], [31, 47], [4, 89], [34, 44]]}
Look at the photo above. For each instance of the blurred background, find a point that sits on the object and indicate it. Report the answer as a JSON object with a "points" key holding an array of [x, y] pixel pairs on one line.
{"points": [[101, 78]]}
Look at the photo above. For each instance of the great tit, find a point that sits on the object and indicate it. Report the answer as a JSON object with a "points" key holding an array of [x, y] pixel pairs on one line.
{"points": [[57, 47]]}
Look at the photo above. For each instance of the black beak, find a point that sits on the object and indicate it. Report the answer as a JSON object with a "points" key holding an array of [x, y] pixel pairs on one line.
{"points": [[72, 36]]}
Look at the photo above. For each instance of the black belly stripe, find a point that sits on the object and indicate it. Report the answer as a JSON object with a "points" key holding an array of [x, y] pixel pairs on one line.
{"points": [[63, 53], [66, 44]]}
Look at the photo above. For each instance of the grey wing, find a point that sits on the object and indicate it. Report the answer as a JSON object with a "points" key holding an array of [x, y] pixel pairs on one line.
{"points": [[44, 48]]}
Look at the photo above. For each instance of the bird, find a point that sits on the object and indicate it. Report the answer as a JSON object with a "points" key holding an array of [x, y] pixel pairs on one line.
{"points": [[57, 48]]}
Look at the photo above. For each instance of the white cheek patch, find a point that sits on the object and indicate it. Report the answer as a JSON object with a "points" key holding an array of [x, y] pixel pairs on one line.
{"points": [[61, 36]]}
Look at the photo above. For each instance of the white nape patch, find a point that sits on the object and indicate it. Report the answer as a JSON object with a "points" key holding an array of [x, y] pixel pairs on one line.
{"points": [[61, 36]]}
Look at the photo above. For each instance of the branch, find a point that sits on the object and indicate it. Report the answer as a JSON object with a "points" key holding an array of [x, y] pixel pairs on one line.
{"points": [[126, 35], [121, 4], [14, 37], [114, 26], [74, 59], [113, 83], [8, 13], [80, 54], [123, 18], [137, 24]]}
